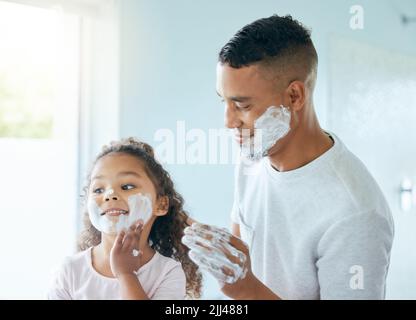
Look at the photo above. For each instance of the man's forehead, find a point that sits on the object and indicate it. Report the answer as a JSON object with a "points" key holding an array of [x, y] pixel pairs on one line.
{"points": [[244, 82], [225, 71]]}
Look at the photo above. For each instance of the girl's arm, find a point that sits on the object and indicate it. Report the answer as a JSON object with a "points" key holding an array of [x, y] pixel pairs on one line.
{"points": [[130, 287], [124, 264]]}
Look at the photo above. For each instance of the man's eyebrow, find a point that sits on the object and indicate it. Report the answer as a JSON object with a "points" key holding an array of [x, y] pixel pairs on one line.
{"points": [[240, 99], [236, 98]]}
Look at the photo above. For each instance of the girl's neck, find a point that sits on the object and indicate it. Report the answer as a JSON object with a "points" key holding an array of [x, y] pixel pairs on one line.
{"points": [[107, 240], [102, 251]]}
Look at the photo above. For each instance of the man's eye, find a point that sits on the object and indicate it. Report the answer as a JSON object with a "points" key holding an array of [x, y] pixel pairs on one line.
{"points": [[127, 187], [243, 107], [99, 190]]}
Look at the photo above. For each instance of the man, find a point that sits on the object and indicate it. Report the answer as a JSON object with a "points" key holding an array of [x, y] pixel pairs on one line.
{"points": [[316, 224]]}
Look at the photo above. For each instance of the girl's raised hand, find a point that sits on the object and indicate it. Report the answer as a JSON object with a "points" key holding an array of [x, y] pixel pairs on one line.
{"points": [[125, 255]]}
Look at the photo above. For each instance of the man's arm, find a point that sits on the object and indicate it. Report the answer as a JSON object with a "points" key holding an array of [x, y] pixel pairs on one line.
{"points": [[354, 256], [248, 288], [235, 230]]}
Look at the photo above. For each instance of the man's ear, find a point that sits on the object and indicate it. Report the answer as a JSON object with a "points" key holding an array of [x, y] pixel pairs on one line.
{"points": [[162, 206], [296, 95]]}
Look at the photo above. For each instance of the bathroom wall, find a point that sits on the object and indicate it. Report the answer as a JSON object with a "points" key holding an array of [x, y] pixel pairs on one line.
{"points": [[168, 55]]}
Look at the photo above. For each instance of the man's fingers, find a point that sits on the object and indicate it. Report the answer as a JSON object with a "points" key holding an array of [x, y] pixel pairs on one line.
{"points": [[190, 221], [239, 244], [216, 245], [207, 231], [211, 232], [199, 241], [213, 267], [233, 254], [218, 251]]}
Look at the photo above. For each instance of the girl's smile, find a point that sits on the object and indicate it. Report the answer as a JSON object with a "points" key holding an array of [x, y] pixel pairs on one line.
{"points": [[115, 212]]}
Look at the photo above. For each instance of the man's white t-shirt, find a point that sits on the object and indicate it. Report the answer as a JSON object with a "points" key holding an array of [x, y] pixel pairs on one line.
{"points": [[323, 231], [162, 278]]}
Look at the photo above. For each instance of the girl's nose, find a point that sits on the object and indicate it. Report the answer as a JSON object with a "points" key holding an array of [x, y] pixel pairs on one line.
{"points": [[110, 195], [113, 197]]}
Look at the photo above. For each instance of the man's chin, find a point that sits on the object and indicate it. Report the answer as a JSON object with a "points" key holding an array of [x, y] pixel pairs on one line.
{"points": [[274, 150]]}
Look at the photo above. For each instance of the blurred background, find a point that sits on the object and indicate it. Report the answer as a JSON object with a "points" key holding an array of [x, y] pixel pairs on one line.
{"points": [[76, 74]]}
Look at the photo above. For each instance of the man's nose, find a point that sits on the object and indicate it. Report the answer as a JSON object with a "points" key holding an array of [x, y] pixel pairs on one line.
{"points": [[231, 119], [110, 195]]}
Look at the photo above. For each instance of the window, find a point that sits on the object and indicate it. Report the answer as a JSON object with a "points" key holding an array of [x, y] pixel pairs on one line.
{"points": [[52, 86]]}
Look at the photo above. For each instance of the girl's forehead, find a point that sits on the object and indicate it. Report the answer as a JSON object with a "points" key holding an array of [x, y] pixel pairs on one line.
{"points": [[113, 163]]}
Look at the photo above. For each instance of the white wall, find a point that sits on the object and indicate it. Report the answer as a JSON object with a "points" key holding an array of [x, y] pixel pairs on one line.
{"points": [[168, 56]]}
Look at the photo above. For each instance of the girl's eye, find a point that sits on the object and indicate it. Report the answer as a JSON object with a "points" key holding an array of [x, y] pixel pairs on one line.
{"points": [[98, 190], [127, 187]]}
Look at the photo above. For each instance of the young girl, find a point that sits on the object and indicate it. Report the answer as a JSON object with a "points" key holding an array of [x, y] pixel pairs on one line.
{"points": [[133, 227]]}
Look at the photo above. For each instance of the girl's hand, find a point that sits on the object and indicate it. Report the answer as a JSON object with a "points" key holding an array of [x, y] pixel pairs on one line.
{"points": [[125, 255]]}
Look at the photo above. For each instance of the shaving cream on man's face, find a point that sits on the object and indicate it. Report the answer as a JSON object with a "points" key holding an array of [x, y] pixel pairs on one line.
{"points": [[269, 128], [140, 207]]}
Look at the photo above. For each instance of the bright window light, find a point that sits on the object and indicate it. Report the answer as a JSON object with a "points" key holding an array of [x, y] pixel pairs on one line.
{"points": [[39, 134]]}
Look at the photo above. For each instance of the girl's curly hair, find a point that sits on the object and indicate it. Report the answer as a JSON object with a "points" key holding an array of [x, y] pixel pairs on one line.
{"points": [[167, 231]]}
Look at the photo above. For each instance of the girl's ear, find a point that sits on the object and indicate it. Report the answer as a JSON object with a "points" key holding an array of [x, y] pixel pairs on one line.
{"points": [[162, 206]]}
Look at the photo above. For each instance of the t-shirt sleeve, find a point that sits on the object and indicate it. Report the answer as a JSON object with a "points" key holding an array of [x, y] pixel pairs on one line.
{"points": [[354, 256], [59, 288], [235, 210], [173, 286]]}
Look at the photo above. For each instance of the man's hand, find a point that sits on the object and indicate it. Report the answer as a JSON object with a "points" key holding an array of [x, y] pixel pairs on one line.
{"points": [[227, 258]]}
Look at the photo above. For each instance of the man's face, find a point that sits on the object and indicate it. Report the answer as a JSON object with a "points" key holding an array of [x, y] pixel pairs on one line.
{"points": [[247, 93]]}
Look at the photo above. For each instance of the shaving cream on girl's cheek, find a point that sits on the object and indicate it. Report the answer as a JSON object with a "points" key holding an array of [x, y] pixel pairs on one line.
{"points": [[269, 128], [140, 207]]}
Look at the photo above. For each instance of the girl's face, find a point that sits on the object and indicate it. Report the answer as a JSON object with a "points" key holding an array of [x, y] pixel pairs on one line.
{"points": [[114, 178]]}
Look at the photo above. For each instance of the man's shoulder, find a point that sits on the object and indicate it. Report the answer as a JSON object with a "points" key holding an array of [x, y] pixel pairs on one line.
{"points": [[355, 178]]}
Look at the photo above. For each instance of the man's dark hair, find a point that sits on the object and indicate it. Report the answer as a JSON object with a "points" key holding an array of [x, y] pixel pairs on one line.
{"points": [[281, 42]]}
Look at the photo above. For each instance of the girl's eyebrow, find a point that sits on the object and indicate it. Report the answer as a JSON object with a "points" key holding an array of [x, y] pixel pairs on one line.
{"points": [[129, 173], [123, 173]]}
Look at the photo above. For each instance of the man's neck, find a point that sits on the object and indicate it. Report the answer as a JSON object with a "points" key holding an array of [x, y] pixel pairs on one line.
{"points": [[305, 145]]}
